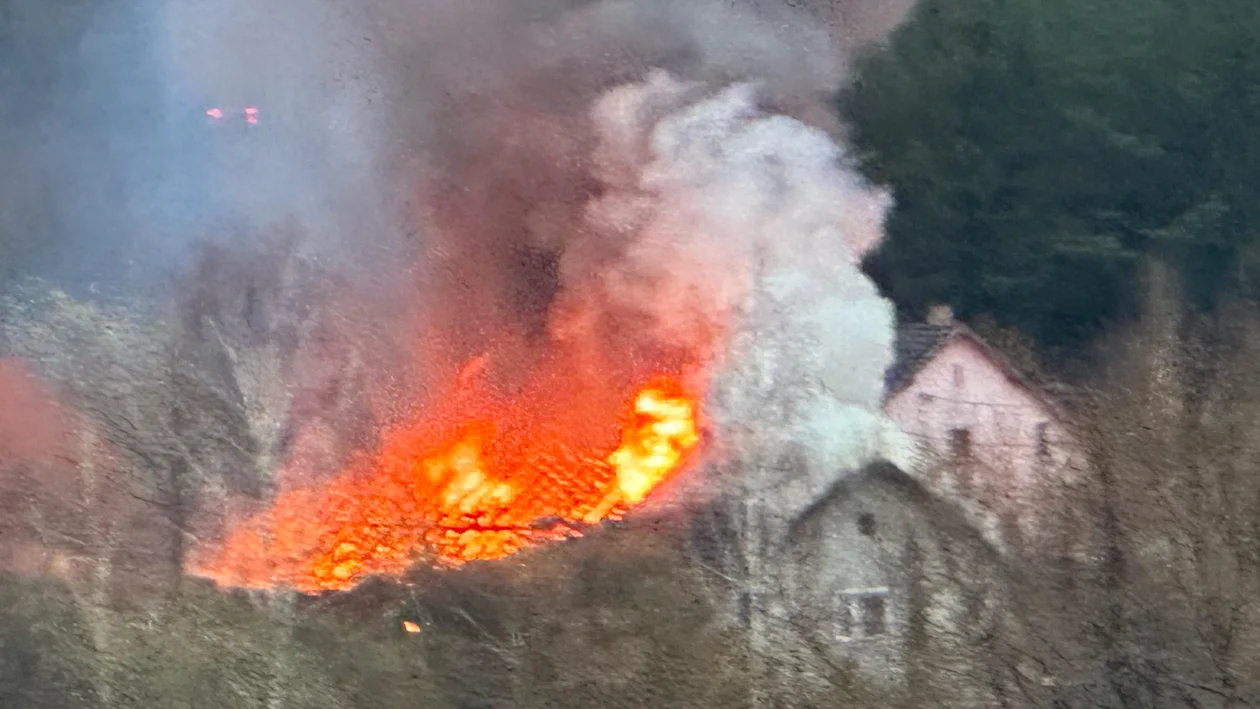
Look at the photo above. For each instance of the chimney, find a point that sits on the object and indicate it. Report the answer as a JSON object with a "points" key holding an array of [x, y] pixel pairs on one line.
{"points": [[940, 314]]}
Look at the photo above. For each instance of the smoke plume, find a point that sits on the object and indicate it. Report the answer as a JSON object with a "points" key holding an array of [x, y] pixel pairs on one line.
{"points": [[459, 131], [739, 235], [625, 181]]}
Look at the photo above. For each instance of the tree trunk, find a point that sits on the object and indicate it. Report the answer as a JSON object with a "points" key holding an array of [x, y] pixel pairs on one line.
{"points": [[100, 534], [1163, 317], [281, 607]]}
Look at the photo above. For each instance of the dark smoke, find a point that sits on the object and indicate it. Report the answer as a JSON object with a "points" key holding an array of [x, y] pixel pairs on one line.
{"points": [[380, 120], [501, 136]]}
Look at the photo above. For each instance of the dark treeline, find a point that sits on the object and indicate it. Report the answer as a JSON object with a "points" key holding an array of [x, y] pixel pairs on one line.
{"points": [[1086, 174], [1040, 151]]}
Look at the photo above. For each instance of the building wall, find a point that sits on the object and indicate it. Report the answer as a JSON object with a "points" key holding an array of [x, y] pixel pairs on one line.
{"points": [[988, 440], [838, 571], [879, 549]]}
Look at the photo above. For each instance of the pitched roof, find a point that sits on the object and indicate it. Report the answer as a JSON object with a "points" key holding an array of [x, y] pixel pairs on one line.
{"points": [[915, 345], [942, 513]]}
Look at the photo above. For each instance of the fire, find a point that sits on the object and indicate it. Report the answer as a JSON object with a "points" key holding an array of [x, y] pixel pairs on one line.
{"points": [[479, 478], [651, 451], [664, 433]]}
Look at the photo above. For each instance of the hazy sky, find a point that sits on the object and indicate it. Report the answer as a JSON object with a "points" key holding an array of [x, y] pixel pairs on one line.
{"points": [[112, 171]]}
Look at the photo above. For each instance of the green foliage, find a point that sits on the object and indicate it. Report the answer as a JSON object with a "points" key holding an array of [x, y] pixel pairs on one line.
{"points": [[1037, 149]]}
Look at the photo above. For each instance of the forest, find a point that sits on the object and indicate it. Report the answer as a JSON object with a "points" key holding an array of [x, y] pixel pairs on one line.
{"points": [[1034, 145]]}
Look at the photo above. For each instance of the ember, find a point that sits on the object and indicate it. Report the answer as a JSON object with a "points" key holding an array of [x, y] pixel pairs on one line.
{"points": [[479, 477]]}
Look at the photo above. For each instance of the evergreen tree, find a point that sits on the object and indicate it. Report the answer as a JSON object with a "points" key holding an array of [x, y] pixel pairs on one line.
{"points": [[1038, 150]]}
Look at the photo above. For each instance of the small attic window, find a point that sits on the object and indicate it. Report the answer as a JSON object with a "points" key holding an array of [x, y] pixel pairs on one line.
{"points": [[866, 524], [874, 615], [1043, 440], [844, 618]]}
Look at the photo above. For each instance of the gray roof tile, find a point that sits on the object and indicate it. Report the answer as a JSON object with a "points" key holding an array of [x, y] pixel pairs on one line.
{"points": [[915, 345]]}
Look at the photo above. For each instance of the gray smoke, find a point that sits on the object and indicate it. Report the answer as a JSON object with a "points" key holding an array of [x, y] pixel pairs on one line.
{"points": [[454, 137], [378, 120], [374, 115], [535, 170]]}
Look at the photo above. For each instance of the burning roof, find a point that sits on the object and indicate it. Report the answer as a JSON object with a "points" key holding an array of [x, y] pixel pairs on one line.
{"points": [[478, 479], [707, 274]]}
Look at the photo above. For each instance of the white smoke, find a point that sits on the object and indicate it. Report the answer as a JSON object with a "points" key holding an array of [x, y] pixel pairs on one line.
{"points": [[748, 226]]}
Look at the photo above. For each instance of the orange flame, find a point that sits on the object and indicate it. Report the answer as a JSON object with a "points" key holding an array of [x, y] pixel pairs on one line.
{"points": [[665, 431], [457, 487]]}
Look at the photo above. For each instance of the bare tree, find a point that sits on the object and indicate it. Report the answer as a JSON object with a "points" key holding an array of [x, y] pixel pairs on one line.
{"points": [[1165, 611], [151, 431]]}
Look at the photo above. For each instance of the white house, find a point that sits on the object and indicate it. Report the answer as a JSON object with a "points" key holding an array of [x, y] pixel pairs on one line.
{"points": [[989, 438]]}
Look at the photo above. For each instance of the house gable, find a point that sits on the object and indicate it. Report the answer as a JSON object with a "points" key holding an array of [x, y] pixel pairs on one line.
{"points": [[988, 438], [964, 399], [877, 556], [915, 346], [919, 346]]}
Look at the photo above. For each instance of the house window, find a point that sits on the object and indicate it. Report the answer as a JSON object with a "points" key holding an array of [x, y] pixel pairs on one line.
{"points": [[1043, 440], [866, 524], [960, 442], [874, 618], [863, 613]]}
